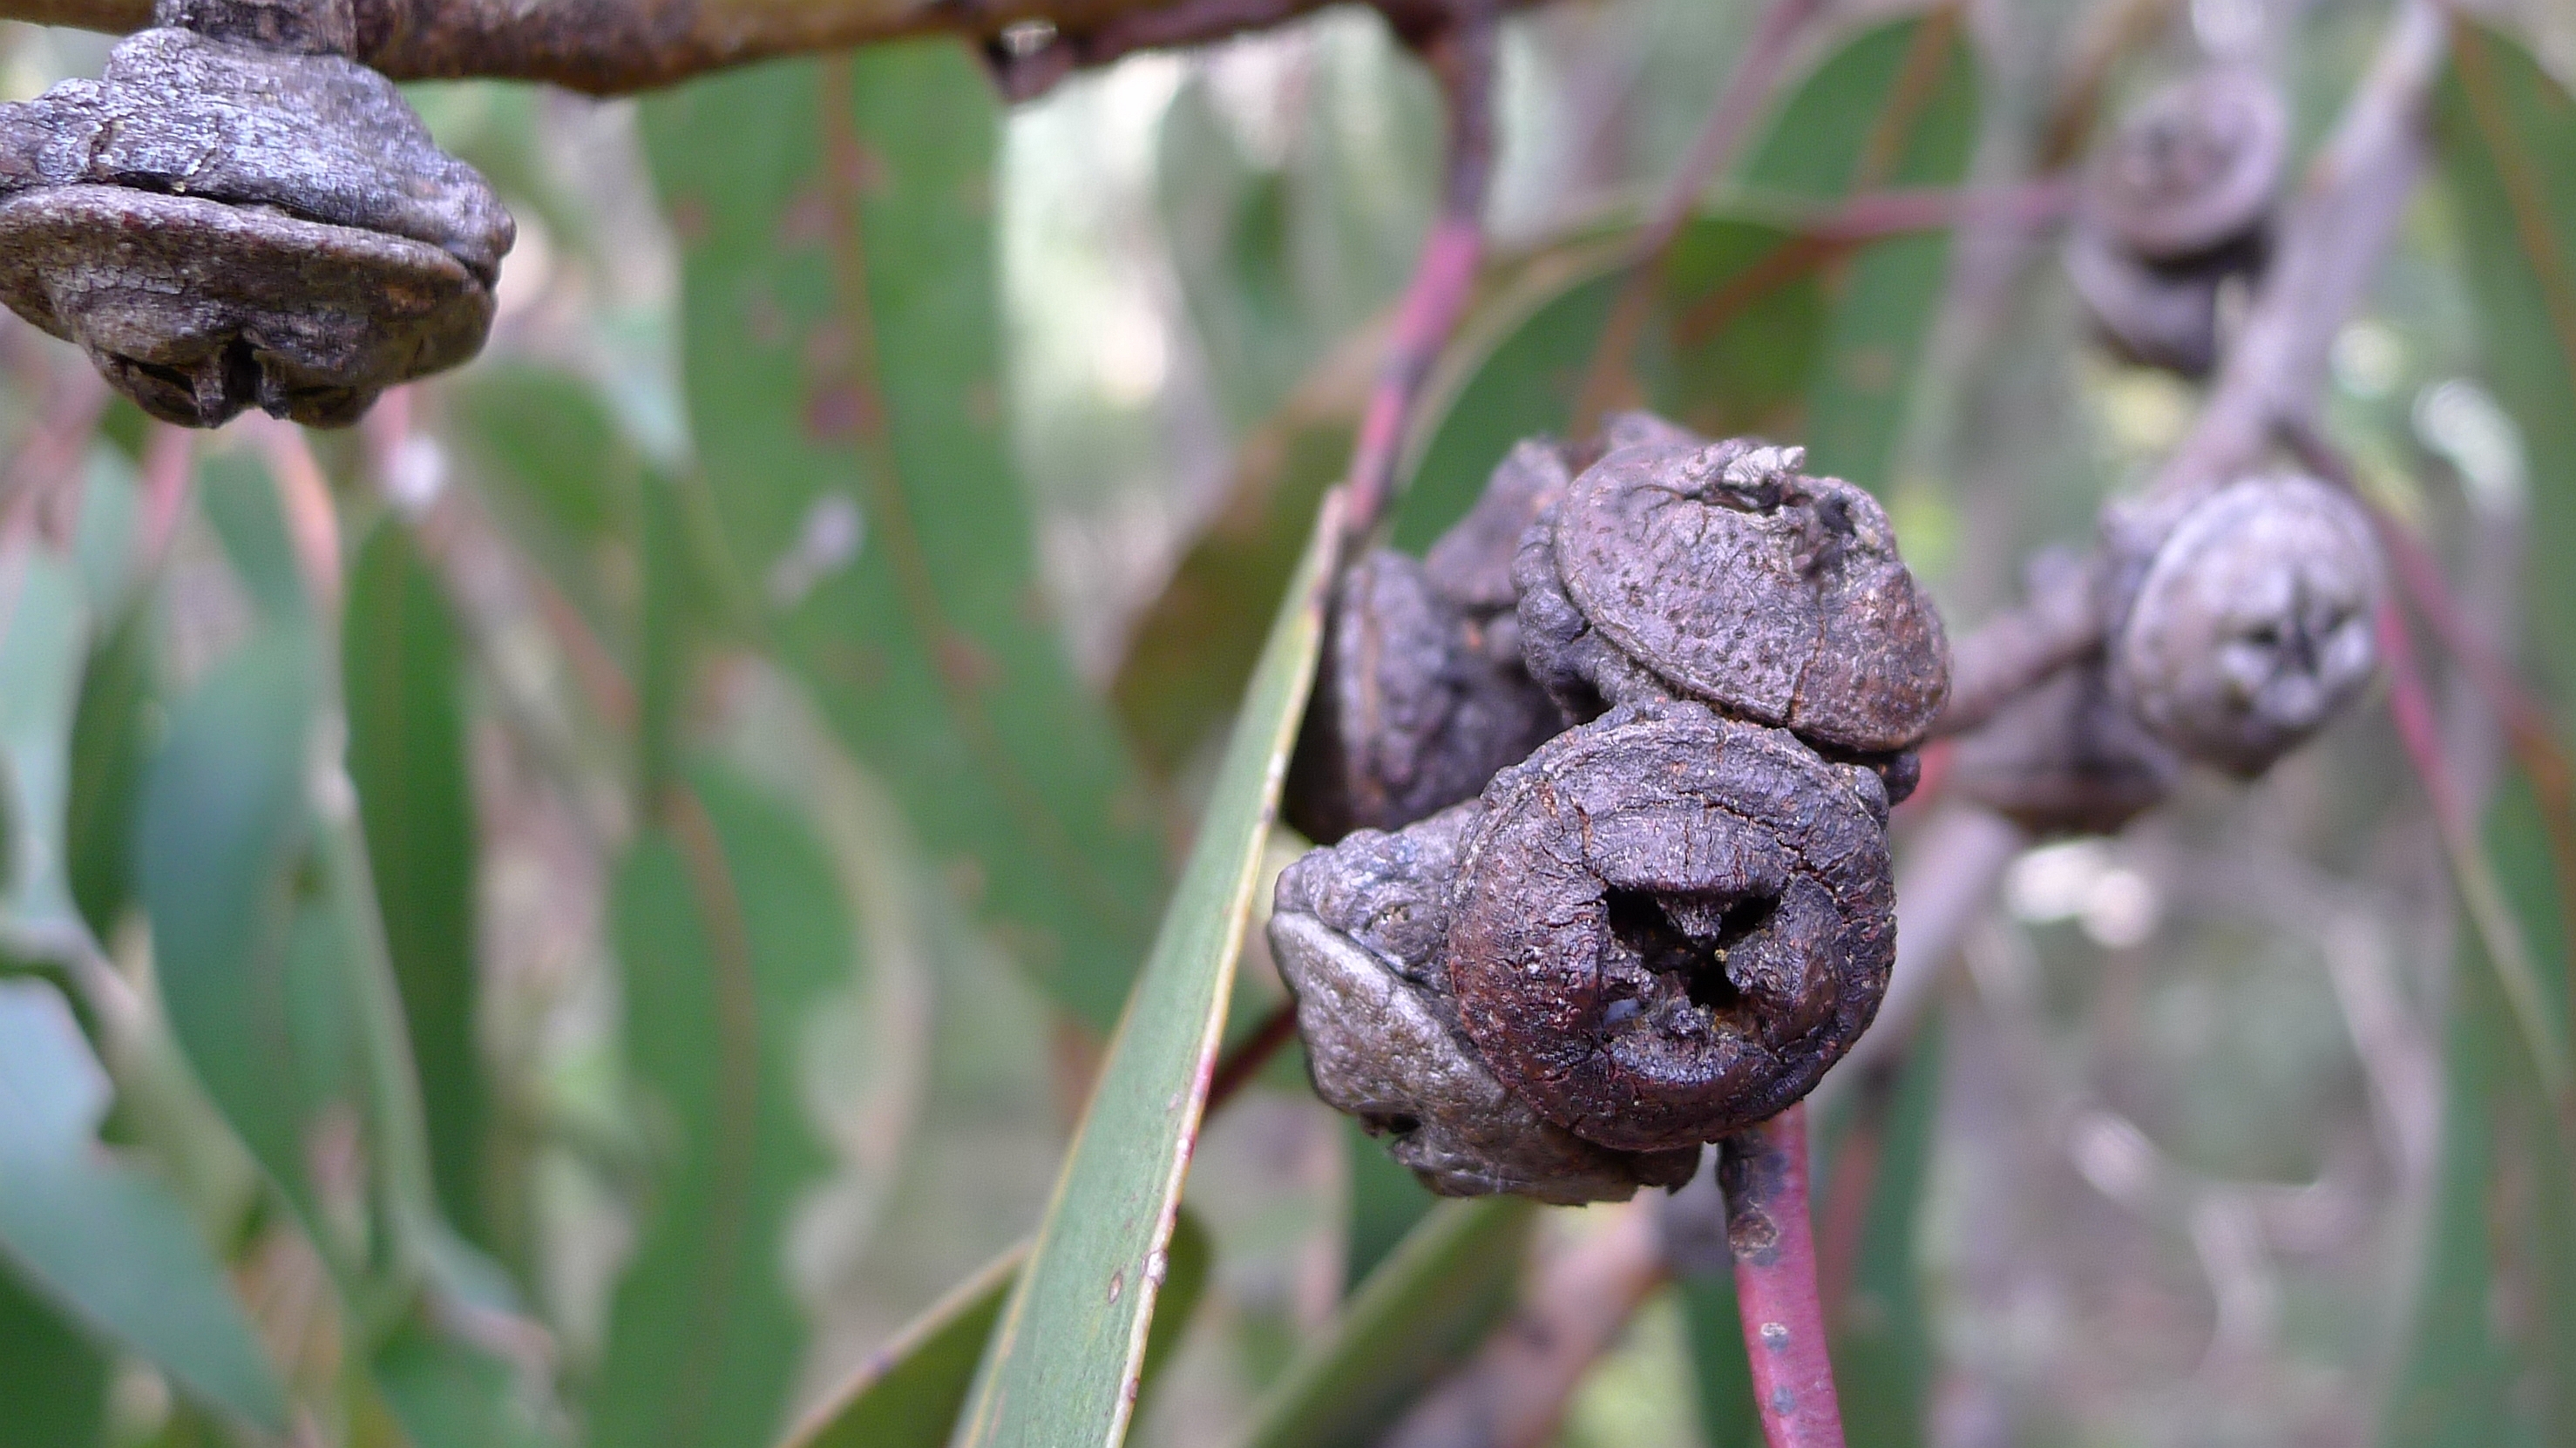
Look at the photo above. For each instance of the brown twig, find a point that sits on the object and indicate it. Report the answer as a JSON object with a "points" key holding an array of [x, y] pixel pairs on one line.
{"points": [[1739, 100], [1444, 275], [1239, 1065], [613, 47], [1764, 1172], [2013, 653]]}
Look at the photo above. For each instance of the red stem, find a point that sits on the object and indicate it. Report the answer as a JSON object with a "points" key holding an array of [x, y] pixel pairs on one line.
{"points": [[1444, 276], [1237, 1067], [1763, 1169]]}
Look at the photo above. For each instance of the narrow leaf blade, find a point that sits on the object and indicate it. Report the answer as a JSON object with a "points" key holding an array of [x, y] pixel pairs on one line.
{"points": [[1068, 1354]]}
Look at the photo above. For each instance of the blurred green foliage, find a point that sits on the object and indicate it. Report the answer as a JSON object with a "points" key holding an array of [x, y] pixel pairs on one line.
{"points": [[689, 878]]}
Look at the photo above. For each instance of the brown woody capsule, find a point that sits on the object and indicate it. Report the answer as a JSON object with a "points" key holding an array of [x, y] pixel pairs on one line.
{"points": [[1355, 932], [2192, 169], [220, 223], [1725, 574], [1471, 564], [2153, 316], [2065, 758], [2252, 622], [1668, 924], [1418, 702]]}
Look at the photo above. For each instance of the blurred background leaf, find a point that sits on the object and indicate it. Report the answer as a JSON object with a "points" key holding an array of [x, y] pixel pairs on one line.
{"points": [[845, 396]]}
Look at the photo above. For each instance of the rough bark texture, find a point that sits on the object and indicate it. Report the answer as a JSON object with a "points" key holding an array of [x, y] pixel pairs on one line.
{"points": [[1668, 924], [1356, 931]]}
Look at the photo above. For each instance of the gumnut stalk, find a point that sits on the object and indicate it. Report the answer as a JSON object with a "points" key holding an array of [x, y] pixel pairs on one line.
{"points": [[1724, 573], [238, 214], [2250, 625], [2063, 756]]}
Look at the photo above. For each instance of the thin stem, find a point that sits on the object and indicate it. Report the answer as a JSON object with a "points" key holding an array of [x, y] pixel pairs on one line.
{"points": [[1238, 1066], [1763, 1170], [2528, 728], [1738, 101], [2410, 706], [1444, 276]]}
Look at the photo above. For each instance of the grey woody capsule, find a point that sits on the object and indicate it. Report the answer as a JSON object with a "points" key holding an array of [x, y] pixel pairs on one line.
{"points": [[2192, 169], [220, 223], [2252, 623], [1667, 924], [1724, 573], [1356, 931], [2065, 758], [2153, 316]]}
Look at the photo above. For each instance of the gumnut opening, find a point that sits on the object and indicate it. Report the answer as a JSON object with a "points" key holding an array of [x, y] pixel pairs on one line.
{"points": [[1724, 573], [1356, 931], [2252, 623], [221, 224], [1668, 924], [2194, 168]]}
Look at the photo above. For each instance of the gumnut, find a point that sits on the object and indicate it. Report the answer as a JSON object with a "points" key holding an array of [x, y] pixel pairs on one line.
{"points": [[235, 213], [1356, 931], [2178, 203], [2065, 759], [2150, 315], [2194, 168], [1418, 701], [2251, 621], [1724, 573], [1667, 924]]}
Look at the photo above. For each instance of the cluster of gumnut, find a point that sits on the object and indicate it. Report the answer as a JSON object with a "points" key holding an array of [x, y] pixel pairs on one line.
{"points": [[2177, 205], [2215, 621], [1602, 786]]}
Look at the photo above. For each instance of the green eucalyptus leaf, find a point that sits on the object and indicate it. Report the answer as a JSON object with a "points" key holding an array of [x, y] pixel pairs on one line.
{"points": [[843, 368], [1066, 1358], [731, 928], [403, 677], [1895, 106], [1417, 1317], [44, 637], [53, 1378], [2507, 132], [222, 827], [101, 1239]]}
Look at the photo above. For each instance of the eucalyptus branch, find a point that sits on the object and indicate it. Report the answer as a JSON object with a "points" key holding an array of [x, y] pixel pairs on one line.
{"points": [[612, 47]]}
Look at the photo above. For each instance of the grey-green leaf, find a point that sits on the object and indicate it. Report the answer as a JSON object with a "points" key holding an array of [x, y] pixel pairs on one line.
{"points": [[844, 384], [1066, 1359], [102, 1239]]}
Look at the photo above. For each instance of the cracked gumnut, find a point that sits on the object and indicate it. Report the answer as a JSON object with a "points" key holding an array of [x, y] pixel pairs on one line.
{"points": [[1724, 573], [221, 223], [1667, 924], [2251, 622], [1356, 932]]}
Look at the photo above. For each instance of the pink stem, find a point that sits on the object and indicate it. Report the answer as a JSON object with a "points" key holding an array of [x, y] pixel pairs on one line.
{"points": [[1433, 302], [1763, 1169]]}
